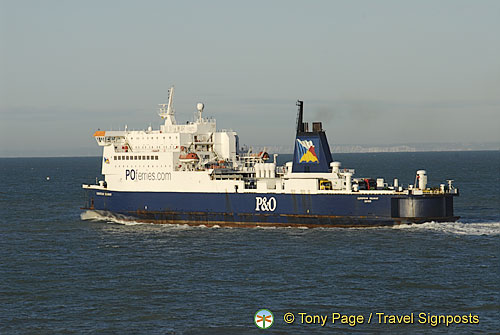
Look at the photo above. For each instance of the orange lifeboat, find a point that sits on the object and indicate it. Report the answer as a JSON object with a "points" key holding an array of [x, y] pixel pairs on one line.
{"points": [[189, 158]]}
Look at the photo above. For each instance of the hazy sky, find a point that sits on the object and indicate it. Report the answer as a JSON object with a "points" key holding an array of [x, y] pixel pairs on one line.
{"points": [[375, 72]]}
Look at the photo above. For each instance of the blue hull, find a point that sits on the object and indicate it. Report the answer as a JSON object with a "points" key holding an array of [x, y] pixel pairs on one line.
{"points": [[244, 209]]}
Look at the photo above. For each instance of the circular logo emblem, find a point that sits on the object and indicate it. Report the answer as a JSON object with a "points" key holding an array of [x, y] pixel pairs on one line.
{"points": [[263, 318]]}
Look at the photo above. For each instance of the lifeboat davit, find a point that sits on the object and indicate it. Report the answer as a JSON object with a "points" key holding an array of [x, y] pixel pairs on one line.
{"points": [[189, 158]]}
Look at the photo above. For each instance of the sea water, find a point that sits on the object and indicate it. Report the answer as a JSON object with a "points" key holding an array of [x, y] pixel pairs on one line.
{"points": [[68, 271]]}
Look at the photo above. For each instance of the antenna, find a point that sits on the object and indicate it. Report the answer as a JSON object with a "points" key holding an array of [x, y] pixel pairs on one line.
{"points": [[200, 107], [166, 111], [170, 110], [300, 124]]}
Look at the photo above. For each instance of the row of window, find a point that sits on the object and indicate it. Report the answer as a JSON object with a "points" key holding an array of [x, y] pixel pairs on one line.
{"points": [[152, 138], [135, 158]]}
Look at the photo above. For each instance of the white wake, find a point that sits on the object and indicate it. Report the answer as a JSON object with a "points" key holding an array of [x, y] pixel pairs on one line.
{"points": [[458, 228], [110, 218]]}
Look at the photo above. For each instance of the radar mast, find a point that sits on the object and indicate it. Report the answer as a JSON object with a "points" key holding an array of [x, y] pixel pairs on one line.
{"points": [[166, 111]]}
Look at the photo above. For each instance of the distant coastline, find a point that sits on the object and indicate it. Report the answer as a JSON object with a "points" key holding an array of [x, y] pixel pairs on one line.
{"points": [[418, 147], [284, 150]]}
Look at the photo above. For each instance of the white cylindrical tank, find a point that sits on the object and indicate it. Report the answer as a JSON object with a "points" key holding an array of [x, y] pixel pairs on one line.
{"points": [[396, 183], [273, 170], [335, 167], [380, 183], [424, 182], [258, 171], [348, 181], [422, 179]]}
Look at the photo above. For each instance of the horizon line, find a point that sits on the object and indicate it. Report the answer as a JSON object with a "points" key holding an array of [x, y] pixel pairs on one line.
{"points": [[367, 152]]}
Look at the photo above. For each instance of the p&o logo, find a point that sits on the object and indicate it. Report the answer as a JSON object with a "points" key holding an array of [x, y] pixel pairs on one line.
{"points": [[264, 204], [263, 318]]}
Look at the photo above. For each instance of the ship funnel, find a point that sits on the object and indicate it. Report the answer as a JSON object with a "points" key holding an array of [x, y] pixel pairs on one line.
{"points": [[311, 152]]}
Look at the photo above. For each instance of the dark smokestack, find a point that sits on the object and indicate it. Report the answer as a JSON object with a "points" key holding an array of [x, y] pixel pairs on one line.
{"points": [[300, 124]]}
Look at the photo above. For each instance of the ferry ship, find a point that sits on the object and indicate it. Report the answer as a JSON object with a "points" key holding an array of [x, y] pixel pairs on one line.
{"points": [[194, 174]]}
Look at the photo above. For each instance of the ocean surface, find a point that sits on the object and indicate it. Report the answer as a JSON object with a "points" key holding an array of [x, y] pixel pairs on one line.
{"points": [[66, 271]]}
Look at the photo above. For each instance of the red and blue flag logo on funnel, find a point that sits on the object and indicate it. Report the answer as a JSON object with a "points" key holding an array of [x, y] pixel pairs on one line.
{"points": [[307, 151]]}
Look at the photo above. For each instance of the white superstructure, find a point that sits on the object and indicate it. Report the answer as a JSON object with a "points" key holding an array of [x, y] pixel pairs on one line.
{"points": [[196, 157]]}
